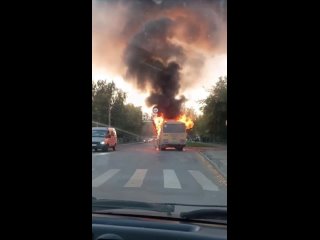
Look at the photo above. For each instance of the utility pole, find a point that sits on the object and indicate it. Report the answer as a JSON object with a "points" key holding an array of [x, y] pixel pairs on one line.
{"points": [[111, 103], [109, 115]]}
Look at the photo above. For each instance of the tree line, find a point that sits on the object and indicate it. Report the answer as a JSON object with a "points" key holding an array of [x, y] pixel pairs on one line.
{"points": [[211, 125], [105, 97]]}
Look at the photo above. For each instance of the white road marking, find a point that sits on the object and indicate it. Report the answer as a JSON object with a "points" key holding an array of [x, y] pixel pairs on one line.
{"points": [[170, 179], [205, 183], [137, 178], [98, 181], [101, 154]]}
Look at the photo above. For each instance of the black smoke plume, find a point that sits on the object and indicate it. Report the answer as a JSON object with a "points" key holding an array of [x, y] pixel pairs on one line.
{"points": [[148, 58], [161, 46]]}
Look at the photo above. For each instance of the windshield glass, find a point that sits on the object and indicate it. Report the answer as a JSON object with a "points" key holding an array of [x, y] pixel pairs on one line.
{"points": [[174, 128], [99, 133], [154, 63]]}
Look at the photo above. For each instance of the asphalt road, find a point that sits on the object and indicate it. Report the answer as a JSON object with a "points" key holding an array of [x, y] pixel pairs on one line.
{"points": [[140, 172]]}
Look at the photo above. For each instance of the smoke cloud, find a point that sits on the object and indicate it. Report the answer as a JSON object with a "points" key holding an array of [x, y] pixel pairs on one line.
{"points": [[160, 47]]}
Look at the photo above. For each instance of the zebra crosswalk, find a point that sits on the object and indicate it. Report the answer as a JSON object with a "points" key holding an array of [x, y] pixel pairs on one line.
{"points": [[205, 183], [98, 181], [137, 178], [170, 179]]}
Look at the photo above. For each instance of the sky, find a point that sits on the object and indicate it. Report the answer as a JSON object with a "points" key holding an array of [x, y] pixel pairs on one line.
{"points": [[195, 38]]}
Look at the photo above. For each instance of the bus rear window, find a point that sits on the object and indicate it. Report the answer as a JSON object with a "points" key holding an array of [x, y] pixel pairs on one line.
{"points": [[174, 128]]}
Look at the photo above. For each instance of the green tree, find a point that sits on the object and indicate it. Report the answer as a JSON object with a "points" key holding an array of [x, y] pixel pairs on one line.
{"points": [[118, 109], [212, 123], [200, 126], [106, 96], [133, 116], [124, 116]]}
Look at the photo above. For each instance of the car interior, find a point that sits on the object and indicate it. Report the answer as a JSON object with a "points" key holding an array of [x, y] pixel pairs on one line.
{"points": [[117, 227]]}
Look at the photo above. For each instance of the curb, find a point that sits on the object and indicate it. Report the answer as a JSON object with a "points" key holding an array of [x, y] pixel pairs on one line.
{"points": [[213, 163]]}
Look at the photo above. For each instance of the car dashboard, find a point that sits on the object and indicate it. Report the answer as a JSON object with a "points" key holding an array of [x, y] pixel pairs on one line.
{"points": [[114, 227]]}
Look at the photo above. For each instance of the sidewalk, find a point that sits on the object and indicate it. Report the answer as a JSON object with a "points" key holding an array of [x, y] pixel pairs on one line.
{"points": [[217, 157]]}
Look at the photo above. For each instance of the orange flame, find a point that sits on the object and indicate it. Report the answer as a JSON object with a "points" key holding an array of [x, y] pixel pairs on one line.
{"points": [[186, 120], [159, 120]]}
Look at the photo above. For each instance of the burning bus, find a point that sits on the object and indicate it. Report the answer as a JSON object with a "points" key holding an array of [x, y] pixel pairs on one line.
{"points": [[172, 132]]}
